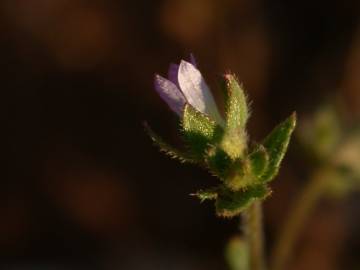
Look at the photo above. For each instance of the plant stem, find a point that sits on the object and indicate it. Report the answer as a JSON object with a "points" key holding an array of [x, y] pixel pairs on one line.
{"points": [[296, 219], [254, 235]]}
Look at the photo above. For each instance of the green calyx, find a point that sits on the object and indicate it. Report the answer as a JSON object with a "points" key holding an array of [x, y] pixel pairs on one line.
{"points": [[244, 173]]}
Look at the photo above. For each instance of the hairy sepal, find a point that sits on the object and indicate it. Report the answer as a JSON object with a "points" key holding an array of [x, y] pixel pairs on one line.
{"points": [[168, 149], [234, 140], [230, 204], [276, 144], [199, 131]]}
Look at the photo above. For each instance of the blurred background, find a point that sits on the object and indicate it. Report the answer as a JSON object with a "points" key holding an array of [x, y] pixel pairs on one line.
{"points": [[81, 185]]}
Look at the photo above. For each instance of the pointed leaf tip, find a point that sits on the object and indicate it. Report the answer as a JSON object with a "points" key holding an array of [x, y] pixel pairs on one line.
{"points": [[234, 142], [166, 148], [276, 144], [237, 111], [207, 194]]}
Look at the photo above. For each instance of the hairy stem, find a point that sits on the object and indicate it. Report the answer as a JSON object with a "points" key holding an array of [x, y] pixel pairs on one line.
{"points": [[254, 235], [296, 219]]}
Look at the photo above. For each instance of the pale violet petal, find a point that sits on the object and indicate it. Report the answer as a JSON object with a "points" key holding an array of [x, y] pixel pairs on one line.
{"points": [[174, 69], [173, 73], [170, 93], [196, 91]]}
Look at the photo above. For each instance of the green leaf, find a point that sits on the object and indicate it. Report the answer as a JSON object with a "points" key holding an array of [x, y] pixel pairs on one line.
{"points": [[259, 160], [207, 194], [230, 204], [237, 112], [168, 149], [199, 130], [276, 144]]}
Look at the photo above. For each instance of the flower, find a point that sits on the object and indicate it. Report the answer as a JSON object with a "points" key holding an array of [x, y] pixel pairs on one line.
{"points": [[185, 84], [244, 172]]}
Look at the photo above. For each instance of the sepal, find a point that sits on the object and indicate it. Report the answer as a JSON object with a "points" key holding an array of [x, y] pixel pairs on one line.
{"points": [[218, 162], [234, 141], [168, 149], [199, 130], [206, 194], [230, 204], [259, 161], [237, 112], [276, 144]]}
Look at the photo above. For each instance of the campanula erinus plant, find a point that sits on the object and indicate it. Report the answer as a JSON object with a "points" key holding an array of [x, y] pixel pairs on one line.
{"points": [[222, 145]]}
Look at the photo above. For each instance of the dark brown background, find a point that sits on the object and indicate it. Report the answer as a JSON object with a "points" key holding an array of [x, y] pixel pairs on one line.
{"points": [[82, 187]]}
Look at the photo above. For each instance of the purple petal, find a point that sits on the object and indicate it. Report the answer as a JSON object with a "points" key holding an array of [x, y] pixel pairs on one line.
{"points": [[196, 91], [174, 70], [173, 74], [170, 93]]}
